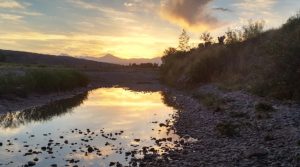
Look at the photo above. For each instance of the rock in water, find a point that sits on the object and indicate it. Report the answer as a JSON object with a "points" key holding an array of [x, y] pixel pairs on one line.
{"points": [[90, 149]]}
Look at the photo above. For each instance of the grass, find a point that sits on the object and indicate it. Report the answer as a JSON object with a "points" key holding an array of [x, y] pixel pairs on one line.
{"points": [[22, 80], [209, 100], [228, 129]]}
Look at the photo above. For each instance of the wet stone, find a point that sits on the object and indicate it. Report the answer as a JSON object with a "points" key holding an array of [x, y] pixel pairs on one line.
{"points": [[90, 149], [30, 163], [112, 163]]}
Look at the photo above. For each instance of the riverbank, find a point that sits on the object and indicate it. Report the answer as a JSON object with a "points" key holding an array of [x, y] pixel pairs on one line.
{"points": [[139, 80], [232, 129]]}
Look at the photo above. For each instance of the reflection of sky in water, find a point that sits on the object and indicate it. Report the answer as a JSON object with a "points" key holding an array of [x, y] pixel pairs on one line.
{"points": [[111, 109]]}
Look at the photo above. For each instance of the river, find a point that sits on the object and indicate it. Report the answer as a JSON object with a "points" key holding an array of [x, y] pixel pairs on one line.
{"points": [[103, 127]]}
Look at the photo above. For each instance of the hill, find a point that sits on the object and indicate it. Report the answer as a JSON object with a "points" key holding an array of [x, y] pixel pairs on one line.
{"points": [[265, 63], [29, 58], [116, 60]]}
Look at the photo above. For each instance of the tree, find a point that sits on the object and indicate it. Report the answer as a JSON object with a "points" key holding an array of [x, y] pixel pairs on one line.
{"points": [[170, 51], [253, 29], [207, 38], [221, 39], [167, 53], [233, 36], [184, 41]]}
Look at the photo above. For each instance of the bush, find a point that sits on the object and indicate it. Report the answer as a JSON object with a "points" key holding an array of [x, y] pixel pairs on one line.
{"points": [[228, 129], [264, 107], [263, 110], [253, 29], [211, 101]]}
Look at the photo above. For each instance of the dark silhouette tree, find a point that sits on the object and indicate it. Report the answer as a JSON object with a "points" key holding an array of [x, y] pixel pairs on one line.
{"points": [[233, 36], [184, 41], [207, 38], [221, 39], [253, 29]]}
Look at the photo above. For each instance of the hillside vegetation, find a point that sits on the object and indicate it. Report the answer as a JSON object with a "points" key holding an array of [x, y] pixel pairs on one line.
{"points": [[266, 63], [21, 80]]}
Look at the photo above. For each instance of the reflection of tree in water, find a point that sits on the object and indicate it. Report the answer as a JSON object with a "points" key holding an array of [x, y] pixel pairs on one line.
{"points": [[39, 114]]}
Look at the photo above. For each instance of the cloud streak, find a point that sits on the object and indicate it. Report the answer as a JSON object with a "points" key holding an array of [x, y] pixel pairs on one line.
{"points": [[10, 17], [191, 14], [11, 4]]}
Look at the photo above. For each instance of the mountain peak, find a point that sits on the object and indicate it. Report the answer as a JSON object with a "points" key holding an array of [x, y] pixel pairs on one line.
{"points": [[109, 58]]}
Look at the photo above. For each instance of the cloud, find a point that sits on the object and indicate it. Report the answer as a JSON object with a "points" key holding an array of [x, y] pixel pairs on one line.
{"points": [[257, 10], [10, 17], [253, 8], [11, 4], [222, 9], [191, 14]]}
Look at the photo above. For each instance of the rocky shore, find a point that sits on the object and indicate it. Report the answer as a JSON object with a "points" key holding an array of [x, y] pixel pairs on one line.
{"points": [[232, 129]]}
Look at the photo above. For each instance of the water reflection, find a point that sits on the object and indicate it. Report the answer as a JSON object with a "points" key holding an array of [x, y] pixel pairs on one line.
{"points": [[44, 113], [107, 125]]}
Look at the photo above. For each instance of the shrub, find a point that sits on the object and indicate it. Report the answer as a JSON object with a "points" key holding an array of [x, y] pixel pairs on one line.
{"points": [[253, 29], [238, 114], [228, 129], [210, 100], [42, 80], [268, 137], [263, 110], [233, 36], [264, 107]]}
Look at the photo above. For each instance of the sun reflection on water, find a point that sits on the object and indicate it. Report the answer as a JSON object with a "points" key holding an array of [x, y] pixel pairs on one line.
{"points": [[104, 112]]}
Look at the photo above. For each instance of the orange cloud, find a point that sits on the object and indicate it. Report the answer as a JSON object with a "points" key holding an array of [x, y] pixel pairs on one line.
{"points": [[191, 14]]}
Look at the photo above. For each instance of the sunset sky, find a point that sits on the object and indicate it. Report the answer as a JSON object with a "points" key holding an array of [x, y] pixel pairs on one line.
{"points": [[126, 28]]}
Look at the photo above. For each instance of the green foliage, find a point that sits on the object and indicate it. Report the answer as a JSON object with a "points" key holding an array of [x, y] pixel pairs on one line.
{"points": [[228, 129], [43, 80]]}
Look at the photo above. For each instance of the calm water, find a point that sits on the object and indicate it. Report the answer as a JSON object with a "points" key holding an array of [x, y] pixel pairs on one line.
{"points": [[108, 122]]}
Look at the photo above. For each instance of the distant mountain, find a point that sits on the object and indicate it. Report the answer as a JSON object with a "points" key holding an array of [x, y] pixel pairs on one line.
{"points": [[19, 57], [116, 60]]}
